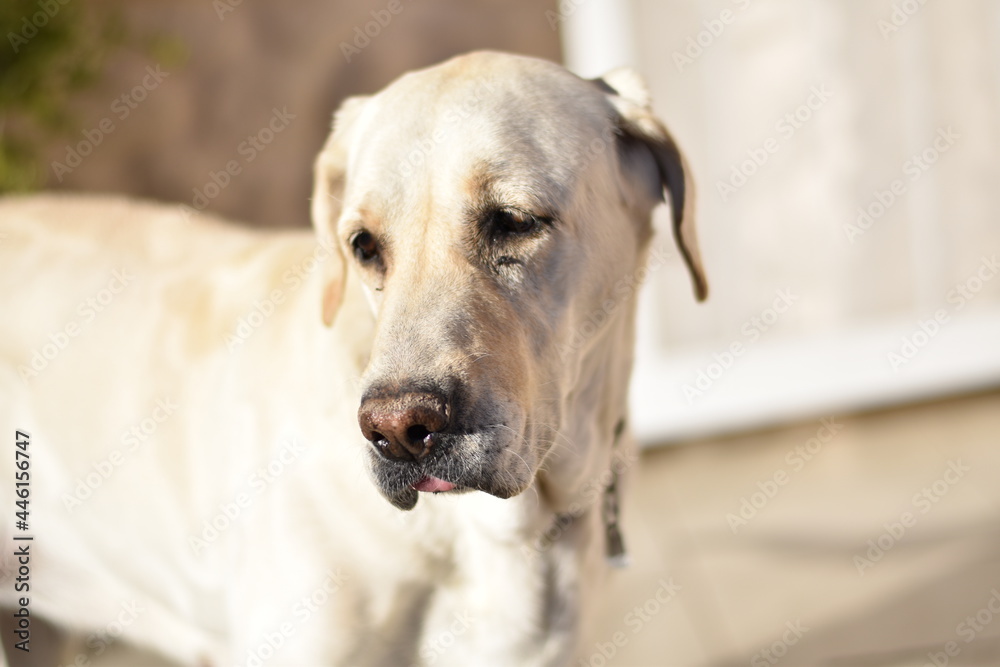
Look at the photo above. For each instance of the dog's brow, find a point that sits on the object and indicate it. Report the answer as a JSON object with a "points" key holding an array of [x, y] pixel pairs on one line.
{"points": [[488, 189], [358, 217]]}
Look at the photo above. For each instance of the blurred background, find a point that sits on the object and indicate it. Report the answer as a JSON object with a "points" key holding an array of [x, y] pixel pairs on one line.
{"points": [[819, 483]]}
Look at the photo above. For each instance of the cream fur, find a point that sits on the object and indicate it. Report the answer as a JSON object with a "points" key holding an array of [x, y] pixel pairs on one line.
{"points": [[460, 579]]}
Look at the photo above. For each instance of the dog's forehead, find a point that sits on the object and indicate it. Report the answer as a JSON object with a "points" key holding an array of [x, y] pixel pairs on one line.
{"points": [[505, 89], [517, 128]]}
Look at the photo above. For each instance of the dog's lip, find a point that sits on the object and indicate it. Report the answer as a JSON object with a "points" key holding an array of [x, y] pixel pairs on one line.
{"points": [[431, 484]]}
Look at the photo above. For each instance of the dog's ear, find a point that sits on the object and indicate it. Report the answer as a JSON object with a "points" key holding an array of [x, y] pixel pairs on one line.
{"points": [[330, 176], [641, 135]]}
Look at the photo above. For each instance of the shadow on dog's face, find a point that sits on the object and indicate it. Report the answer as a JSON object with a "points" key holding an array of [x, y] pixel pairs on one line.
{"points": [[489, 205]]}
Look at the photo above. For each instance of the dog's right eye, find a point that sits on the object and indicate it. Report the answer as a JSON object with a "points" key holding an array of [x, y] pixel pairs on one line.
{"points": [[365, 246], [513, 222]]}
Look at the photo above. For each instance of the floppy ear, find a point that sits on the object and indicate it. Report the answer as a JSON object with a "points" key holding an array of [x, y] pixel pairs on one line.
{"points": [[330, 176], [638, 127]]}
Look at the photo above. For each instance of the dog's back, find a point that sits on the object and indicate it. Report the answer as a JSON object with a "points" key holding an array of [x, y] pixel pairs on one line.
{"points": [[123, 322]]}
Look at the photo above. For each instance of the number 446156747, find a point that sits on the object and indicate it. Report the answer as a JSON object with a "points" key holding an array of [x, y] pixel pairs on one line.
{"points": [[22, 478]]}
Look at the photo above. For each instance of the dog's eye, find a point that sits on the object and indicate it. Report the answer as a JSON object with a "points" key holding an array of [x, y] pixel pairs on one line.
{"points": [[365, 246], [508, 221]]}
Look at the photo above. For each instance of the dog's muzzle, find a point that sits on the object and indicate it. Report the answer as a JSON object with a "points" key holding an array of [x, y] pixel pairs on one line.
{"points": [[406, 429]]}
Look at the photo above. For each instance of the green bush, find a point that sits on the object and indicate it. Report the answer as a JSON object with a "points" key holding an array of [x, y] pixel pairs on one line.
{"points": [[52, 48]]}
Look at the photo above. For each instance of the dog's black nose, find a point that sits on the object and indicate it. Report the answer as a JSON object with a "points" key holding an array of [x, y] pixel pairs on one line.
{"points": [[402, 426]]}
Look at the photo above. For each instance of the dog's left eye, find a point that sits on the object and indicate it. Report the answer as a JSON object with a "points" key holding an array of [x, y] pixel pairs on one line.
{"points": [[365, 246], [513, 222]]}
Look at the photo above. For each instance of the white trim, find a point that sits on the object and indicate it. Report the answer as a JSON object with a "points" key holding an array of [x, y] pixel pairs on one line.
{"points": [[777, 381], [597, 36]]}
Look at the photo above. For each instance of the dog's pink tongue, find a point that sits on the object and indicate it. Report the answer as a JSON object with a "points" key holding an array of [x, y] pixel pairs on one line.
{"points": [[433, 484]]}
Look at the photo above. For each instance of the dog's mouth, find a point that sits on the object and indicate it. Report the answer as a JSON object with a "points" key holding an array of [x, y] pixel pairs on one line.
{"points": [[405, 498], [402, 488], [427, 484], [401, 483]]}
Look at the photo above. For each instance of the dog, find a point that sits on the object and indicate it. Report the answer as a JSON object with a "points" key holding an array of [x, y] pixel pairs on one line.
{"points": [[396, 440]]}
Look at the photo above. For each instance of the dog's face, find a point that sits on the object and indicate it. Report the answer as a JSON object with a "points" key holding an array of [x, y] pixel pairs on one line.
{"points": [[489, 205]]}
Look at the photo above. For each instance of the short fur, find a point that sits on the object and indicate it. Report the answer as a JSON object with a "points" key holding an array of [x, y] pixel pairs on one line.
{"points": [[191, 388]]}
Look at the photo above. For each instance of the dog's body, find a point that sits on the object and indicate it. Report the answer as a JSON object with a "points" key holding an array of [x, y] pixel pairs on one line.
{"points": [[197, 471]]}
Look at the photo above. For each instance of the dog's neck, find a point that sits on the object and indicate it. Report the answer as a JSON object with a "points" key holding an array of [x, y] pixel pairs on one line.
{"points": [[584, 478]]}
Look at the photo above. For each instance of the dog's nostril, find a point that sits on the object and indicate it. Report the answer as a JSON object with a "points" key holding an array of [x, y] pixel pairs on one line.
{"points": [[379, 439], [417, 433]]}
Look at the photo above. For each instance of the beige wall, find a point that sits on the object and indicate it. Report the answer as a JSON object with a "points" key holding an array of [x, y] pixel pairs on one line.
{"points": [[820, 107], [888, 92], [255, 58]]}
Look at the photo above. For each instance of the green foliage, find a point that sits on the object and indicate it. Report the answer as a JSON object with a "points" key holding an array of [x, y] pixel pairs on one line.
{"points": [[50, 49]]}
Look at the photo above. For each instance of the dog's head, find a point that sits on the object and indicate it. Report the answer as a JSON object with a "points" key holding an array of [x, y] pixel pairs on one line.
{"points": [[490, 206]]}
